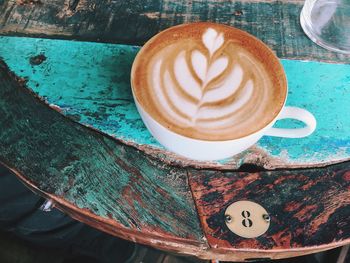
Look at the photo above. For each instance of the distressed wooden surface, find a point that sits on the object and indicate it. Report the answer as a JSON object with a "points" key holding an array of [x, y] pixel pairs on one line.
{"points": [[89, 82], [93, 176], [138, 191], [119, 189], [134, 22], [308, 208]]}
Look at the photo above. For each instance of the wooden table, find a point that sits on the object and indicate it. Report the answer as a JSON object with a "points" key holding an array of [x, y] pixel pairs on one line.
{"points": [[70, 131]]}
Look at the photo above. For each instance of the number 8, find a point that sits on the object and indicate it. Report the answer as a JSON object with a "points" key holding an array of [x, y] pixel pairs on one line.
{"points": [[246, 222]]}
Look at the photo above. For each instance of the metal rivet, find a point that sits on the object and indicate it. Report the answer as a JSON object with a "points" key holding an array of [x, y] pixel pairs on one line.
{"points": [[228, 218], [266, 217]]}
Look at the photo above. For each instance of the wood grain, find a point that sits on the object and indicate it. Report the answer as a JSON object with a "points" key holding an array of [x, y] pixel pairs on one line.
{"points": [[124, 191], [93, 177], [134, 22], [120, 190], [308, 208], [90, 83]]}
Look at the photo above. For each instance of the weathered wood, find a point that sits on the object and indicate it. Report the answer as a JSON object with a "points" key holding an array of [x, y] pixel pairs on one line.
{"points": [[89, 82], [308, 208], [134, 22], [123, 191], [120, 190], [99, 181]]}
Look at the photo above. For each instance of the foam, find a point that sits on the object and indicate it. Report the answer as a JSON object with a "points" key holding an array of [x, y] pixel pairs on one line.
{"points": [[201, 81]]}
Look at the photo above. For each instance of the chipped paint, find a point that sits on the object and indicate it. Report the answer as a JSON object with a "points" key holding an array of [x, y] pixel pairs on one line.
{"points": [[99, 96], [274, 22]]}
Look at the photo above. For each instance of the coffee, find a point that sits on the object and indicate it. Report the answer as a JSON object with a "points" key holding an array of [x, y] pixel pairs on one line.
{"points": [[209, 82]]}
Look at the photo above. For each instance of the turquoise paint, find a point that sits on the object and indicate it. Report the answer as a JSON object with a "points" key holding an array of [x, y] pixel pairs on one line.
{"points": [[323, 89], [90, 83]]}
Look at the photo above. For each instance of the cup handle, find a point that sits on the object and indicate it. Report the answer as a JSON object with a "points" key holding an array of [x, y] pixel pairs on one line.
{"points": [[297, 114]]}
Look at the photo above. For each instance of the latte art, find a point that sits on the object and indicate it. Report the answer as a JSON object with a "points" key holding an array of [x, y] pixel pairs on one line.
{"points": [[205, 84], [205, 90]]}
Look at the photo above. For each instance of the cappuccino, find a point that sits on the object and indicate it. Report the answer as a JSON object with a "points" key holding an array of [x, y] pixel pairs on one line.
{"points": [[209, 82]]}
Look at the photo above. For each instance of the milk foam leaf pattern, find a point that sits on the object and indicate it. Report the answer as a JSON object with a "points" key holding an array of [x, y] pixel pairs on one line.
{"points": [[199, 59], [198, 85], [212, 40], [226, 88], [184, 77]]}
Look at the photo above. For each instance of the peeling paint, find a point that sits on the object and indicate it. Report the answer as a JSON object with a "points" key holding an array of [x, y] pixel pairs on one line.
{"points": [[100, 95]]}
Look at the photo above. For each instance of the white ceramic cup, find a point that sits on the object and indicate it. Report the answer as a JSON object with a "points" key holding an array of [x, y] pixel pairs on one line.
{"points": [[214, 150]]}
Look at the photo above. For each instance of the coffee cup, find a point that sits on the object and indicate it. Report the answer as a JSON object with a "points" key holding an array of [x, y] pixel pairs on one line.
{"points": [[208, 91]]}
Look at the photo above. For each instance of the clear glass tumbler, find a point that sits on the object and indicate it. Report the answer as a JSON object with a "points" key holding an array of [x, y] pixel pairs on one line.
{"points": [[327, 23]]}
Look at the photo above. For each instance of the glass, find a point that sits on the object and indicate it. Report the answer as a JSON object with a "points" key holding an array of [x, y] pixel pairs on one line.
{"points": [[327, 23]]}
